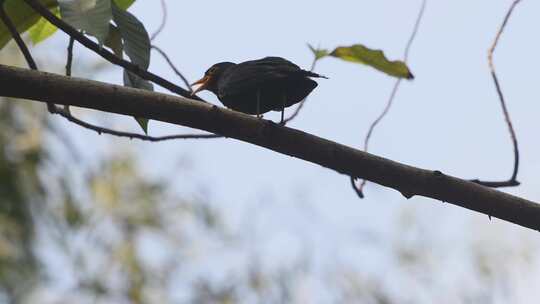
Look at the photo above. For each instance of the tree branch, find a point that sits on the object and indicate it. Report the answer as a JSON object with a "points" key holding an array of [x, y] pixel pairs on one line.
{"points": [[15, 35], [408, 180]]}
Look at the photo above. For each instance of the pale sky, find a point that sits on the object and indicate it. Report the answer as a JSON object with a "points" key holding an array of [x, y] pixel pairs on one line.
{"points": [[447, 119]]}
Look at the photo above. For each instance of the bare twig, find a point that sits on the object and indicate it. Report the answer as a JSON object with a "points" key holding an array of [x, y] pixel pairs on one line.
{"points": [[513, 179], [301, 105], [360, 189], [15, 35], [69, 62], [68, 29], [173, 67], [101, 130], [20, 43], [163, 20]]}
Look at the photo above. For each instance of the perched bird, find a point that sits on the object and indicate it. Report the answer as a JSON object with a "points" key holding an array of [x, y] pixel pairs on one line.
{"points": [[258, 86]]}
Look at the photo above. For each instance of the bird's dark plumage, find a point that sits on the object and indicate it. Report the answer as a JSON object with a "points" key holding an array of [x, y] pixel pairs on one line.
{"points": [[259, 86]]}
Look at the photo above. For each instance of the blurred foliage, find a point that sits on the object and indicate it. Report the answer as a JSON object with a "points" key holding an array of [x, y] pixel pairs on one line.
{"points": [[22, 16], [21, 190]]}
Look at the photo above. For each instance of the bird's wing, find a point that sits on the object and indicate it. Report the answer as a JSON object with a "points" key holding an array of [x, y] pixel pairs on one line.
{"points": [[273, 61], [250, 75], [285, 66]]}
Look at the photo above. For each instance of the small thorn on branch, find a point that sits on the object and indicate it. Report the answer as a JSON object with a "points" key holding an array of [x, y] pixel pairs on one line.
{"points": [[356, 189]]}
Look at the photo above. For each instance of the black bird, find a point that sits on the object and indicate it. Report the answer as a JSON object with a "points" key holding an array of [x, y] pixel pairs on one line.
{"points": [[258, 86]]}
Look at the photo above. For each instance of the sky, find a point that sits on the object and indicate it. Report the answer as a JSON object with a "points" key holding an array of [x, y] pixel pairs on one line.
{"points": [[447, 119]]}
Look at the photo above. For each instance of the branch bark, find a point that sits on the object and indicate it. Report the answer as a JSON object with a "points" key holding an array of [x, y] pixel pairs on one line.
{"points": [[408, 180]]}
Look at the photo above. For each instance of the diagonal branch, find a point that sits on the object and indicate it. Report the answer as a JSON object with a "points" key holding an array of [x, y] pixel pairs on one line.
{"points": [[17, 37], [408, 180], [513, 179], [68, 29]]}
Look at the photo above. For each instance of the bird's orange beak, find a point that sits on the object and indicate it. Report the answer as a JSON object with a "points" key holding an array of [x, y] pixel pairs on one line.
{"points": [[203, 82]]}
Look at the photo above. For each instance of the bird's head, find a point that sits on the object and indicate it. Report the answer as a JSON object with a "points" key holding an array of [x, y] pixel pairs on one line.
{"points": [[211, 77]]}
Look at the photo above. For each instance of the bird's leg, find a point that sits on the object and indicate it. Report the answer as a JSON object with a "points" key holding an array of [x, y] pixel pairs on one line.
{"points": [[282, 122], [258, 103]]}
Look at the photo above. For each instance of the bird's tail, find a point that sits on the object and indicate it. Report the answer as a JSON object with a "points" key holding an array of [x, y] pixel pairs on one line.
{"points": [[311, 74]]}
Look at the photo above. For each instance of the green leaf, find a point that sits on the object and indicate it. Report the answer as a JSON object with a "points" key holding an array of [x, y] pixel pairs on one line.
{"points": [[135, 36], [317, 52], [134, 81], [22, 16], [124, 4], [114, 41], [43, 29], [90, 16], [374, 58], [137, 47]]}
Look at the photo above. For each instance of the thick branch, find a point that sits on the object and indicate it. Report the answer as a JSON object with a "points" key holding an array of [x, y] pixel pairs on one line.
{"points": [[410, 181]]}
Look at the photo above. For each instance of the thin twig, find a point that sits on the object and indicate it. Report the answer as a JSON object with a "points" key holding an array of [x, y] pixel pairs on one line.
{"points": [[163, 21], [69, 62], [301, 105], [15, 34], [360, 189], [513, 179], [20, 43], [101, 130], [68, 29], [173, 67]]}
